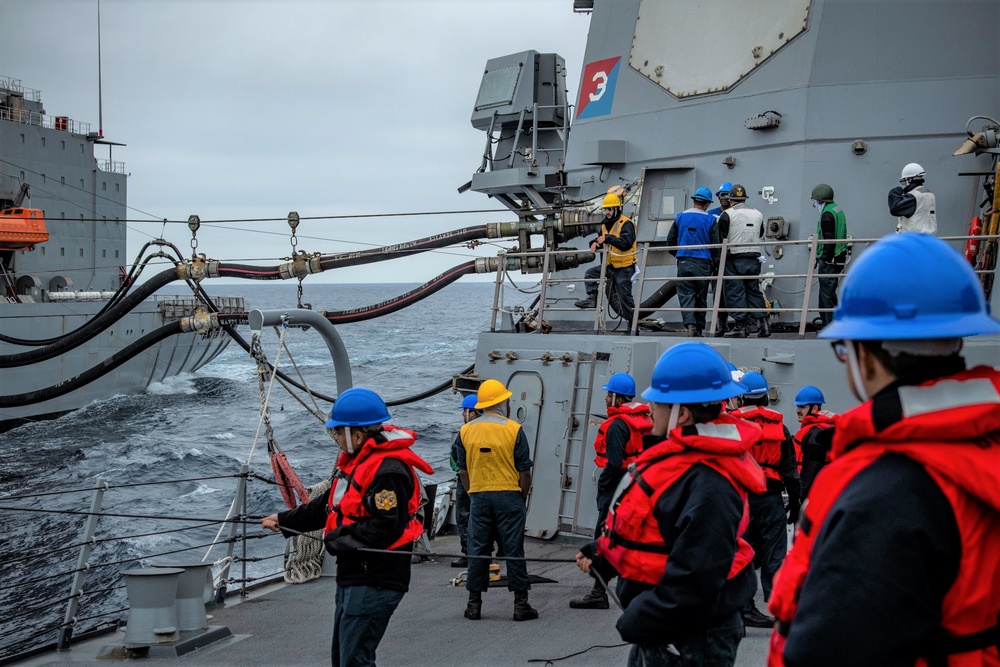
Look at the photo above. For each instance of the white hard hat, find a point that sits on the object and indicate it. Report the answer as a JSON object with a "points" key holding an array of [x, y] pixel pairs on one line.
{"points": [[912, 170]]}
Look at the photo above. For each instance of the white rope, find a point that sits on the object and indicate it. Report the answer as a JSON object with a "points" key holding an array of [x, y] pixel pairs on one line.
{"points": [[265, 398], [305, 563]]}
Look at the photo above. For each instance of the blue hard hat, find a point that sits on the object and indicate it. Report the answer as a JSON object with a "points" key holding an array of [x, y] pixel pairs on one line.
{"points": [[691, 373], [809, 395], [358, 407], [702, 194], [755, 383], [724, 188], [910, 286], [621, 384], [469, 402]]}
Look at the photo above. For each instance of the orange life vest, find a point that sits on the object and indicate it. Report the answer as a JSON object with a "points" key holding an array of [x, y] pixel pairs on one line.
{"points": [[951, 428], [637, 417], [823, 419], [631, 540], [768, 451], [357, 472]]}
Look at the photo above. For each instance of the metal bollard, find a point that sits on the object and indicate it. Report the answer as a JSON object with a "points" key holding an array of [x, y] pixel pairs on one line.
{"points": [[152, 614], [193, 588]]}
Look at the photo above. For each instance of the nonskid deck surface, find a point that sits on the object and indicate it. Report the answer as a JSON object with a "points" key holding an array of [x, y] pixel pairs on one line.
{"points": [[291, 625]]}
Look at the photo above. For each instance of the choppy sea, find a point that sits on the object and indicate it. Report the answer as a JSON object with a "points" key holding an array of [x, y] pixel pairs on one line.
{"points": [[201, 428]]}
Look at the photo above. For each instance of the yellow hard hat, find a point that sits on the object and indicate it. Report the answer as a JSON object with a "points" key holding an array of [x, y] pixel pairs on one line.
{"points": [[490, 393], [611, 200]]}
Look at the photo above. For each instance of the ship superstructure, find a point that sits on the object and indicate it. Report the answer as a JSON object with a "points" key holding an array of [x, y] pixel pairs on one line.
{"points": [[50, 289]]}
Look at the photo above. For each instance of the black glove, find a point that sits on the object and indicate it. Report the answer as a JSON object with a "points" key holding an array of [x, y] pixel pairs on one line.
{"points": [[793, 500], [793, 512]]}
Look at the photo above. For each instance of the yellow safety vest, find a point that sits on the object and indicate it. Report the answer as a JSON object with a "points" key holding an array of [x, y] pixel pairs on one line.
{"points": [[619, 259], [489, 453]]}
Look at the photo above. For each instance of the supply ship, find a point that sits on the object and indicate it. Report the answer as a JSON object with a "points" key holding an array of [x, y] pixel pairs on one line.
{"points": [[63, 225], [775, 95]]}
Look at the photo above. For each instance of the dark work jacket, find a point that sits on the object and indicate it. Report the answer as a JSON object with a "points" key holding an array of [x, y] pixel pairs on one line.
{"points": [[616, 438], [358, 568], [698, 517]]}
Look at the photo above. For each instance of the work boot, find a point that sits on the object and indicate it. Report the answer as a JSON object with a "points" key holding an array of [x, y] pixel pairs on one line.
{"points": [[693, 331], [589, 302], [460, 562], [597, 598], [736, 332], [474, 608], [764, 330], [755, 618], [522, 610]]}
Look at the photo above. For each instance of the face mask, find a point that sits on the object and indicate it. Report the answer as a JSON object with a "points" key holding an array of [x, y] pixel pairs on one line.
{"points": [[818, 205]]}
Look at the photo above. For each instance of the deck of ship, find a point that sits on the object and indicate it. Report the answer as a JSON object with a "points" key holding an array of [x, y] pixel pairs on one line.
{"points": [[291, 625]]}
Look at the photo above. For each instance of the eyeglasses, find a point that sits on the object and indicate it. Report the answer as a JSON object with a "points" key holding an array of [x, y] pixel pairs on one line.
{"points": [[839, 349]]}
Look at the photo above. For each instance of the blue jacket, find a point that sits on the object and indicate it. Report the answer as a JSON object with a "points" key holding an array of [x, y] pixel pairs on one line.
{"points": [[693, 227]]}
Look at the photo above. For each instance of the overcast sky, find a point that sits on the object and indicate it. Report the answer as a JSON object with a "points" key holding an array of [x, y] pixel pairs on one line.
{"points": [[251, 109]]}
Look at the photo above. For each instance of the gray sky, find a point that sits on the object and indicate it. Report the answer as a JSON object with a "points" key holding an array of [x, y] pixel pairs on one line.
{"points": [[251, 109]]}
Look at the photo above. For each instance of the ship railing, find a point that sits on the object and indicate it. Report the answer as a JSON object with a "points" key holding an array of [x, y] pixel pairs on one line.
{"points": [[111, 166], [47, 602], [715, 310], [15, 86], [528, 115], [28, 117]]}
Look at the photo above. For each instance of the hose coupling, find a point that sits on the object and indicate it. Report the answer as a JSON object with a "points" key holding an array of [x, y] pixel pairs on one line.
{"points": [[198, 269], [300, 266], [202, 322]]}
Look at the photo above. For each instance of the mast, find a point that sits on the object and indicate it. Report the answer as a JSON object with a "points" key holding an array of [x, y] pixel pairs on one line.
{"points": [[100, 95]]}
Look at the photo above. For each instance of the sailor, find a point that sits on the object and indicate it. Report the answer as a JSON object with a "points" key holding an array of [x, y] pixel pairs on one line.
{"points": [[494, 460], [830, 257], [896, 560], [815, 435], [618, 236], [720, 328], [469, 413], [912, 204], [372, 504], [723, 194], [775, 454], [694, 227], [744, 227], [674, 535], [618, 443]]}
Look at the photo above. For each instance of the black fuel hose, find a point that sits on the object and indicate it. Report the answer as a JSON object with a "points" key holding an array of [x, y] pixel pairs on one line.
{"points": [[360, 257], [403, 300], [93, 327], [655, 300], [126, 285], [91, 374], [403, 249]]}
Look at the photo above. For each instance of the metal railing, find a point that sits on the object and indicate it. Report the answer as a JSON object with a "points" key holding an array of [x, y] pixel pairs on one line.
{"points": [[35, 567], [27, 117], [717, 280], [111, 166]]}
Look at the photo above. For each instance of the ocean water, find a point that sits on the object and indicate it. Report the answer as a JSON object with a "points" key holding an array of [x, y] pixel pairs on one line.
{"points": [[201, 428]]}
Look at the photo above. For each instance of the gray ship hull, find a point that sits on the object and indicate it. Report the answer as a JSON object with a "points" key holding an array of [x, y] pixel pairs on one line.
{"points": [[184, 353]]}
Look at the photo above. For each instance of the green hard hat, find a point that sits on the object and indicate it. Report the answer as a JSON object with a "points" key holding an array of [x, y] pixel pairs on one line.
{"points": [[822, 192]]}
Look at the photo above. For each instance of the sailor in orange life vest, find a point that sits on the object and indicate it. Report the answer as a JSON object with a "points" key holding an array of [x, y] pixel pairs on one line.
{"points": [[814, 438], [896, 560], [674, 536], [372, 504], [618, 443], [768, 533]]}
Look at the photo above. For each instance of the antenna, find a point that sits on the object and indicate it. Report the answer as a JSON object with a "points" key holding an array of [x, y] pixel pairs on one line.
{"points": [[100, 93]]}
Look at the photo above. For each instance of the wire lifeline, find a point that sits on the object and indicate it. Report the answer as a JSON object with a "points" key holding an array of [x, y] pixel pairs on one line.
{"points": [[396, 552]]}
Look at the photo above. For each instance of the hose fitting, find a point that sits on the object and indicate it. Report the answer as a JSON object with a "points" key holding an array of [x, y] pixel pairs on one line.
{"points": [[302, 265], [198, 269], [202, 321]]}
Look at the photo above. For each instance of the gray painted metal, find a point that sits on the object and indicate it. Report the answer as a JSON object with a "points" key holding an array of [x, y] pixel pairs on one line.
{"points": [[152, 615], [84, 200], [299, 317], [899, 77]]}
